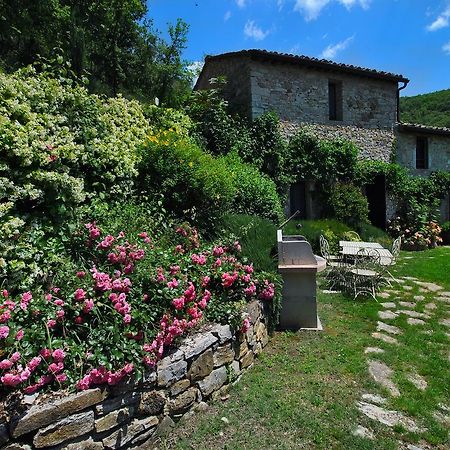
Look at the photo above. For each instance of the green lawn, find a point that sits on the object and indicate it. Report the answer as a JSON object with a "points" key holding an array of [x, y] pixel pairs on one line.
{"points": [[303, 390]]}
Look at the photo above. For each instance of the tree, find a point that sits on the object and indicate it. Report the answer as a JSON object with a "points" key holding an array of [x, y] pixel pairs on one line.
{"points": [[109, 41]]}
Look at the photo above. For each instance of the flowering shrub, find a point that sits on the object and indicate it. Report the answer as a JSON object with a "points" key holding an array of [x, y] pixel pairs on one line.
{"points": [[118, 315], [425, 236], [59, 147]]}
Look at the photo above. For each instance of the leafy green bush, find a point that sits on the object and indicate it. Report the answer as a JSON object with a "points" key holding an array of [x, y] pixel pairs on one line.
{"points": [[194, 183], [214, 127], [59, 148], [61, 145], [324, 161], [347, 204], [255, 193], [369, 233], [168, 119], [258, 238]]}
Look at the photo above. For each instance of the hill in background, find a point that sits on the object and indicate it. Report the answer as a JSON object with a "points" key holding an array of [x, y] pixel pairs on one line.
{"points": [[427, 109]]}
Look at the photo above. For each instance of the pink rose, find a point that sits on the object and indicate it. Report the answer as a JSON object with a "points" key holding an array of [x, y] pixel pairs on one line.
{"points": [[4, 332], [80, 294], [5, 364], [19, 335], [15, 357], [58, 355], [45, 353]]}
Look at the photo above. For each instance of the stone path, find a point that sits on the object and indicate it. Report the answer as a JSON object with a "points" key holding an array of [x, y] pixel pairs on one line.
{"points": [[418, 313]]}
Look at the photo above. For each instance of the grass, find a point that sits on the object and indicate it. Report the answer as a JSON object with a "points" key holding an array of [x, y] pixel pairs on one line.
{"points": [[303, 389]]}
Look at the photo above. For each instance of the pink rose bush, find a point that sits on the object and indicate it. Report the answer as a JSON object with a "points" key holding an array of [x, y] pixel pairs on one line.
{"points": [[121, 312]]}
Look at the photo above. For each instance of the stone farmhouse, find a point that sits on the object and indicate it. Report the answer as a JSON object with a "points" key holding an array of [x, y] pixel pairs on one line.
{"points": [[332, 100]]}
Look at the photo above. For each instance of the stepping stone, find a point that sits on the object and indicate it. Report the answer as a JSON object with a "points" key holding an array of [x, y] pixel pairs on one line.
{"points": [[381, 326], [374, 398], [430, 306], [419, 298], [443, 407], [413, 447], [388, 305], [412, 321], [385, 338], [407, 304], [399, 281], [445, 322], [407, 288], [388, 417], [384, 295], [410, 278], [443, 299], [387, 315], [363, 432], [328, 291], [442, 418], [418, 381], [424, 291], [444, 294], [373, 350], [427, 332], [433, 287], [415, 314], [381, 373]]}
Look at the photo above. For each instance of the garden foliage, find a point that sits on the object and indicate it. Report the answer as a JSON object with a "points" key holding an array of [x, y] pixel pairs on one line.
{"points": [[201, 186], [120, 311]]}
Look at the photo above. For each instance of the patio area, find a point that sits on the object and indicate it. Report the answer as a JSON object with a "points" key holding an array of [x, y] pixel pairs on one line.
{"points": [[376, 378]]}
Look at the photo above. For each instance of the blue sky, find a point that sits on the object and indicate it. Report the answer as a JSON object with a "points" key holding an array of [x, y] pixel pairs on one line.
{"points": [[411, 37]]}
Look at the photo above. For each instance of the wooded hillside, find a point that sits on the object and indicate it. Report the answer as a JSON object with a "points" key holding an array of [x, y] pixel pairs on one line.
{"points": [[427, 109]]}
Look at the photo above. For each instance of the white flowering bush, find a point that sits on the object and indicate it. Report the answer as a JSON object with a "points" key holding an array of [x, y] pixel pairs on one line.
{"points": [[59, 147]]}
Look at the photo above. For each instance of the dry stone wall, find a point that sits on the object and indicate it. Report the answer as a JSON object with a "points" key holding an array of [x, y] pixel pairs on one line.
{"points": [[373, 143], [131, 415]]}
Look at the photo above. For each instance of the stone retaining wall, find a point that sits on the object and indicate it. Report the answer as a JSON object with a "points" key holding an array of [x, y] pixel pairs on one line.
{"points": [[131, 415]]}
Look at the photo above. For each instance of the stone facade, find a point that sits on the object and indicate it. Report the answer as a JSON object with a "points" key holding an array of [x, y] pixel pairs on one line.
{"points": [[297, 89], [237, 89], [438, 152], [131, 415], [438, 157], [373, 143], [300, 94]]}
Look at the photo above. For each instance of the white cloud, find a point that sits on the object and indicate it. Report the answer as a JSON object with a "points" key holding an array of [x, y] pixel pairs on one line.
{"points": [[227, 16], [333, 49], [446, 48], [349, 3], [441, 21], [252, 30], [311, 9], [280, 4], [241, 3]]}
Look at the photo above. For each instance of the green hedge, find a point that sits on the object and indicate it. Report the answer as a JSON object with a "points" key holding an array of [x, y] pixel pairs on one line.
{"points": [[255, 193]]}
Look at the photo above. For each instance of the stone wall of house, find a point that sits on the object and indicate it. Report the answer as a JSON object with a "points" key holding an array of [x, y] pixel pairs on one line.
{"points": [[375, 144], [300, 94], [438, 152], [132, 415], [438, 159], [237, 88]]}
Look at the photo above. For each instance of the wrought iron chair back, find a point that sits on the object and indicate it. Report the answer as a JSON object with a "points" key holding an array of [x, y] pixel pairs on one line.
{"points": [[396, 245]]}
